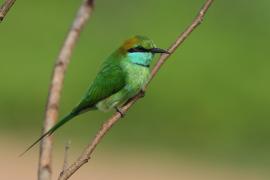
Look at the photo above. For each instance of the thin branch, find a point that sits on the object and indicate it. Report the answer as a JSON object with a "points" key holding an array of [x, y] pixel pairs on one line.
{"points": [[51, 114], [86, 155], [65, 164], [5, 8]]}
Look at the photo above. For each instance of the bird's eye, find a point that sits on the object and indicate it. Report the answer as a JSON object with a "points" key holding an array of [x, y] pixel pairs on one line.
{"points": [[138, 49]]}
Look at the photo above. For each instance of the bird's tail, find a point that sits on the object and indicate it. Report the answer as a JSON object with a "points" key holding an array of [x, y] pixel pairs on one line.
{"points": [[51, 131]]}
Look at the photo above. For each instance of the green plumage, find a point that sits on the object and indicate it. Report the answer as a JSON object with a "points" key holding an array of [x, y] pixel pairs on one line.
{"points": [[121, 76]]}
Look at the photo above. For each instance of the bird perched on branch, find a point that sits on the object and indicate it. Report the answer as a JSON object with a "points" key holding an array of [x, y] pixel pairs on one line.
{"points": [[123, 74]]}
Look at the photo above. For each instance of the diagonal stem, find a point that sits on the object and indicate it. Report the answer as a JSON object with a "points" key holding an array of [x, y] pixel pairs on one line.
{"points": [[5, 8]]}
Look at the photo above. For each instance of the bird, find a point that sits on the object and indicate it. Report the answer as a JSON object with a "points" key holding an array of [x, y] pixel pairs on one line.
{"points": [[121, 76]]}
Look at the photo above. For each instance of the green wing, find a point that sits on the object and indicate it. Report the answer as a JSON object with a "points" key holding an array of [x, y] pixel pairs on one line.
{"points": [[109, 80]]}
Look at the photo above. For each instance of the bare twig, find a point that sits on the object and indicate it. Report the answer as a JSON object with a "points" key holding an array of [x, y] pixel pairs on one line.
{"points": [[86, 155], [5, 8], [65, 164], [51, 114]]}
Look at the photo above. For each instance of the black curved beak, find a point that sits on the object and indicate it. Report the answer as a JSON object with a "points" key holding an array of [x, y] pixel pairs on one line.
{"points": [[158, 50]]}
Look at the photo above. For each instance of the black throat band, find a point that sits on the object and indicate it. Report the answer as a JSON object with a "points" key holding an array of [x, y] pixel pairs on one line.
{"points": [[144, 65]]}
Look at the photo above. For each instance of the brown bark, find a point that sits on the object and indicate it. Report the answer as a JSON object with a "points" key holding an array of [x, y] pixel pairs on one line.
{"points": [[51, 114], [5, 8]]}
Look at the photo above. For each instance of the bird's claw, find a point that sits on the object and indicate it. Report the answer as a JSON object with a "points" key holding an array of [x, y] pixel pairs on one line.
{"points": [[120, 112], [142, 93]]}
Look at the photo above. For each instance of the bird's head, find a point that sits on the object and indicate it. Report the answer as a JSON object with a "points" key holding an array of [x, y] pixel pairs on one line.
{"points": [[140, 50]]}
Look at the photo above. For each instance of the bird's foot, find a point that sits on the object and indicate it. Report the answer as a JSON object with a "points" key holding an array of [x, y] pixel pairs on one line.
{"points": [[142, 93], [120, 112]]}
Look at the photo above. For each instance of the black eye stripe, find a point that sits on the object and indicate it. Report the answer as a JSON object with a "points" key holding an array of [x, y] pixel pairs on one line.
{"points": [[138, 49]]}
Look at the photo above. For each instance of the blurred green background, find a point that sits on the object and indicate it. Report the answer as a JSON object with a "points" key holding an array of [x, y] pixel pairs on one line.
{"points": [[210, 100]]}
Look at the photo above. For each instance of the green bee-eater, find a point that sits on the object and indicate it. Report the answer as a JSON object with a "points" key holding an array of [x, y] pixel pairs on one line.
{"points": [[123, 74]]}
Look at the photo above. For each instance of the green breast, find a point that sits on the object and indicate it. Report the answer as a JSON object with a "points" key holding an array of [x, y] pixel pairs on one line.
{"points": [[136, 76]]}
